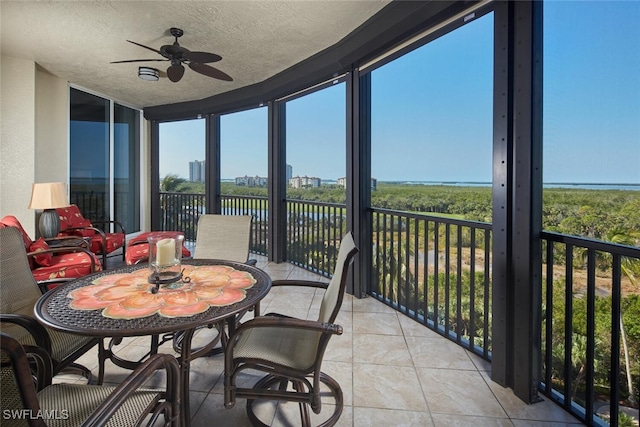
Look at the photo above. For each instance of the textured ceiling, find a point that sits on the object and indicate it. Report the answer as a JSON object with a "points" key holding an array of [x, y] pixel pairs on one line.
{"points": [[77, 40]]}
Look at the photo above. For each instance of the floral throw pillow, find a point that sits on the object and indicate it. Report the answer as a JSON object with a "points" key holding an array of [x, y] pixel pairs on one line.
{"points": [[40, 245]]}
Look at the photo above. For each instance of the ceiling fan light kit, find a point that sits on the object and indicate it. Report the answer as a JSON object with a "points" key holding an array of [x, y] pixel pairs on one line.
{"points": [[178, 56], [147, 73]]}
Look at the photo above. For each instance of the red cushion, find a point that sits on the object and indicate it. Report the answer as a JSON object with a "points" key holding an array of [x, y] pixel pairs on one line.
{"points": [[114, 241], [40, 245], [12, 221], [70, 217], [67, 266]]}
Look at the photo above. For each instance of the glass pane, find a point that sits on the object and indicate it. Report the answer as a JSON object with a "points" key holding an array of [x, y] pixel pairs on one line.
{"points": [[244, 141], [316, 173], [89, 154], [242, 133], [182, 161], [432, 125], [316, 143], [126, 138], [591, 118]]}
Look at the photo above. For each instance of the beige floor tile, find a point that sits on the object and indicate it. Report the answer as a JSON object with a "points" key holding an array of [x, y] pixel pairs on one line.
{"points": [[542, 411], [374, 417], [381, 349], [342, 373], [293, 300], [414, 329], [479, 362], [288, 414], [530, 423], [449, 420], [386, 387], [213, 413], [438, 353], [376, 323], [371, 305], [451, 391], [340, 348]]}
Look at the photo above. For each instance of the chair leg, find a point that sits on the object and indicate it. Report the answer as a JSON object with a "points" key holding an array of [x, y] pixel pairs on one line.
{"points": [[270, 381], [102, 356]]}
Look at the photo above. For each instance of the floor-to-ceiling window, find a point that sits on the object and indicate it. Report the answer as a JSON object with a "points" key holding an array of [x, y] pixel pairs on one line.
{"points": [[244, 170], [126, 148], [316, 176], [183, 168], [100, 192], [431, 182], [591, 189], [89, 154]]}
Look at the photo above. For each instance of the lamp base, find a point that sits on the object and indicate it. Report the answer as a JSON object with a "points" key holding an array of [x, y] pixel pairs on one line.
{"points": [[49, 223]]}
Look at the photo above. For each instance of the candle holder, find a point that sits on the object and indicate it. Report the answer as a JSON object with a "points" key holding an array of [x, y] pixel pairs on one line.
{"points": [[165, 261]]}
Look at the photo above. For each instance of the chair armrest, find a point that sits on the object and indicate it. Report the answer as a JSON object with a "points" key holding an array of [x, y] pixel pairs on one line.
{"points": [[67, 249], [66, 241], [88, 227], [139, 376], [287, 322], [305, 283], [36, 330], [106, 221]]}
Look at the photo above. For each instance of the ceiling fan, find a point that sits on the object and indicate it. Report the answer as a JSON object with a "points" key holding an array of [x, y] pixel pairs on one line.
{"points": [[179, 55]]}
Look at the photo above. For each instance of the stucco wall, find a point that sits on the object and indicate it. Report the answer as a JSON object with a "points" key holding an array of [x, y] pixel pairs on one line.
{"points": [[51, 128], [17, 138]]}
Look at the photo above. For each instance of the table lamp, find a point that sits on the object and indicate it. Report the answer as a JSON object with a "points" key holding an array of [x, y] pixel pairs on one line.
{"points": [[48, 196]]}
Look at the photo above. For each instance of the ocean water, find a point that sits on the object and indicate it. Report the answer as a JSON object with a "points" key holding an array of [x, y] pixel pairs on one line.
{"points": [[577, 186]]}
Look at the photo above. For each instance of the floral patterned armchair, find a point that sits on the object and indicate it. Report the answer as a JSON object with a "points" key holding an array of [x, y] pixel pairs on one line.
{"points": [[57, 260], [72, 223]]}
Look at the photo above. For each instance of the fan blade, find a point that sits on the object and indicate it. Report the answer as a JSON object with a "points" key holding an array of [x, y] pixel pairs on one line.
{"points": [[175, 72], [146, 47], [208, 70], [203, 57], [137, 60]]}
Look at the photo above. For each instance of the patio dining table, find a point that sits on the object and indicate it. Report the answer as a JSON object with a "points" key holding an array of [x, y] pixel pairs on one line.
{"points": [[120, 303]]}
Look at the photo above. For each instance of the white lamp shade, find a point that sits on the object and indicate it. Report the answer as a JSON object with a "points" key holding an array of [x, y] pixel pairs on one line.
{"points": [[48, 195]]}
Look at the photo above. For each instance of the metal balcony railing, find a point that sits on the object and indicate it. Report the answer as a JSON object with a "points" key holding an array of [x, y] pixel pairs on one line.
{"points": [[585, 358], [436, 270]]}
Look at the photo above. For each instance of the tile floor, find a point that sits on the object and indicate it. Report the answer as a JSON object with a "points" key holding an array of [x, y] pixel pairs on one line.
{"points": [[393, 372]]}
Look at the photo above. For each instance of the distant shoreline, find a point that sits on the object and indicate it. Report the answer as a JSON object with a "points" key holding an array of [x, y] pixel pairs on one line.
{"points": [[566, 185]]}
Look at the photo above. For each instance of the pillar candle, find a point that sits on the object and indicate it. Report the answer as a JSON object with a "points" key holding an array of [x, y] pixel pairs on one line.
{"points": [[166, 252]]}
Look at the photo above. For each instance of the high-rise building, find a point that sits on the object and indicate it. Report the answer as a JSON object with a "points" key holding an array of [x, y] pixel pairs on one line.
{"points": [[197, 171], [289, 172]]}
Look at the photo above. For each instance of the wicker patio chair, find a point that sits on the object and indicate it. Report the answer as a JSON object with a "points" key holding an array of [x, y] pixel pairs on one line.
{"points": [[20, 292], [290, 350], [71, 405]]}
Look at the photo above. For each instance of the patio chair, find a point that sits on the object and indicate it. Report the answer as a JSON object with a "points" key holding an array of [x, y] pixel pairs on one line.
{"points": [[54, 261], [41, 404], [290, 350], [72, 223], [20, 292], [224, 237]]}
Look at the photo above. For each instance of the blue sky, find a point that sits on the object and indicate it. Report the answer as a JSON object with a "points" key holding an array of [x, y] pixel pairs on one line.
{"points": [[432, 109]]}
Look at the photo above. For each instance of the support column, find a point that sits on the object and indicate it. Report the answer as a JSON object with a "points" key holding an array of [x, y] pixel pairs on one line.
{"points": [[517, 198]]}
